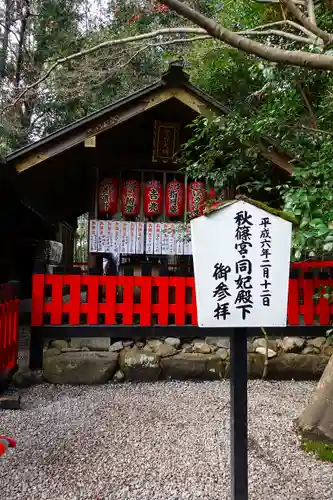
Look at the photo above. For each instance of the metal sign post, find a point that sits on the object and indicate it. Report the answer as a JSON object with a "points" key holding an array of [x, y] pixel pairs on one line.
{"points": [[241, 256], [238, 414]]}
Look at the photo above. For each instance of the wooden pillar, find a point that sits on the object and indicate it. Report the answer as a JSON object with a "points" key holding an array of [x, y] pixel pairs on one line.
{"points": [[93, 205]]}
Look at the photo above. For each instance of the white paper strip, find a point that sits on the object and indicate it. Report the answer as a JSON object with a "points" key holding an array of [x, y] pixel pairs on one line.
{"points": [[187, 241], [124, 237], [179, 237], [158, 239], [140, 234], [108, 243], [93, 236], [115, 231], [102, 235], [172, 238], [165, 238], [150, 232], [131, 237]]}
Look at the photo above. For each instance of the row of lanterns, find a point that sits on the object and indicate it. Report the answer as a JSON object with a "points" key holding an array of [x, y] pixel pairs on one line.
{"points": [[153, 198]]}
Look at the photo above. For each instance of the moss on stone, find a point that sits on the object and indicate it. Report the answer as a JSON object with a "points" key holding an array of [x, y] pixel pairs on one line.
{"points": [[323, 451], [217, 205]]}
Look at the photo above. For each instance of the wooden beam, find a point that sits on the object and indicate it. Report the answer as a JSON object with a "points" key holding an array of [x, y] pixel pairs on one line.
{"points": [[87, 132]]}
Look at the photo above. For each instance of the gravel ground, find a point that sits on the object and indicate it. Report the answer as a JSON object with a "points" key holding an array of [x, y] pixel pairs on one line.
{"points": [[162, 441]]}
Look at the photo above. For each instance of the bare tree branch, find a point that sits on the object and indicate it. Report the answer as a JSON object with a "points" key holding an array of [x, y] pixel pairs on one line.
{"points": [[293, 58], [95, 48], [283, 34], [311, 12], [298, 14], [286, 22]]}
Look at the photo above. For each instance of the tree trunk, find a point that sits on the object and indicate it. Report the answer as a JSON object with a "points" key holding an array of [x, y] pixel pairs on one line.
{"points": [[5, 39], [316, 421]]}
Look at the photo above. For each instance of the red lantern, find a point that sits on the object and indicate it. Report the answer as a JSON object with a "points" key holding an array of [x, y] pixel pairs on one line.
{"points": [[130, 198], [174, 199], [196, 194], [108, 197], [153, 198]]}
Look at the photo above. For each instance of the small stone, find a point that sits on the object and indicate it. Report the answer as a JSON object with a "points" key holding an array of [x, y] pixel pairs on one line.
{"points": [[139, 365], [317, 342], [147, 348], [119, 376], [59, 344], [93, 343], [272, 344], [51, 352], [262, 350], [165, 350], [328, 350], [201, 347], [223, 353], [310, 349], [85, 349], [173, 341], [128, 343], [116, 346], [187, 348], [291, 344], [71, 349], [218, 342], [154, 344]]}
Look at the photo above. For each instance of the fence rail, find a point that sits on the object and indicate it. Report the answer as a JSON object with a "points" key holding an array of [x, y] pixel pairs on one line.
{"points": [[9, 324], [74, 299]]}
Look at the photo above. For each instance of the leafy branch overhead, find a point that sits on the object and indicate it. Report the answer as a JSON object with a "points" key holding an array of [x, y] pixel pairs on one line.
{"points": [[298, 41]]}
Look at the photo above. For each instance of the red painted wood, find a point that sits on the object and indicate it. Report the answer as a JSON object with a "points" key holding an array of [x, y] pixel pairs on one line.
{"points": [[109, 307], [145, 283], [162, 308], [38, 291], [178, 309], [306, 266], [127, 282], [192, 308], [308, 308], [145, 309], [73, 307], [9, 313], [55, 306], [293, 302], [91, 308], [323, 307]]}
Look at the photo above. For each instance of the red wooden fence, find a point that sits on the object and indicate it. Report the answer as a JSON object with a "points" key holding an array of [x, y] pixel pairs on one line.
{"points": [[9, 324], [146, 300], [112, 300]]}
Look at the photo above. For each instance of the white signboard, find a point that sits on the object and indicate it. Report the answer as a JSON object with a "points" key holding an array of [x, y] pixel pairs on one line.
{"points": [[241, 257], [93, 236]]}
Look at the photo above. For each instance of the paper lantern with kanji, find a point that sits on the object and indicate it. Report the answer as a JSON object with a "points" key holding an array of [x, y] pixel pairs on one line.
{"points": [[130, 198], [174, 199], [196, 194], [153, 199], [108, 197]]}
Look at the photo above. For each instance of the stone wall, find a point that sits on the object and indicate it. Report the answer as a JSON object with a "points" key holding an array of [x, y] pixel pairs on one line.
{"points": [[97, 360]]}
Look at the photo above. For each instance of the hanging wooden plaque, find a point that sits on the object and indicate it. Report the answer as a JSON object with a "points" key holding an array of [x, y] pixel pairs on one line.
{"points": [[166, 141]]}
